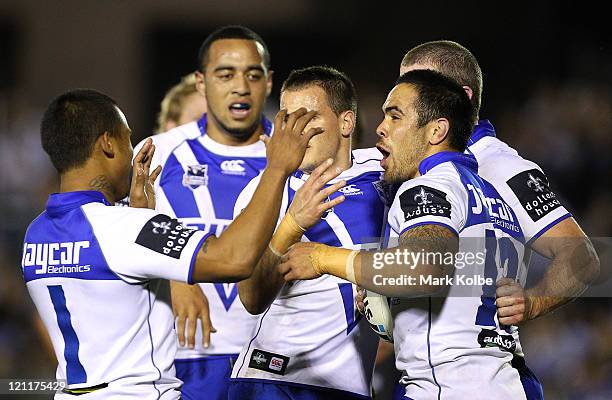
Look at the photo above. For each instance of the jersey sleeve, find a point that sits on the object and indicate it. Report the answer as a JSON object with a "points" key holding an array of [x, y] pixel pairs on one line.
{"points": [[428, 201], [141, 244], [535, 204]]}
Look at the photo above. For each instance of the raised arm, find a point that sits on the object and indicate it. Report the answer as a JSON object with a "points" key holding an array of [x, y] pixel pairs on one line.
{"points": [[233, 255]]}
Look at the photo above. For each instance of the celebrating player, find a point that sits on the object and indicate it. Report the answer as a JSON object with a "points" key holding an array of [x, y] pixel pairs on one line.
{"points": [[94, 271], [308, 343], [443, 212], [206, 164], [549, 228]]}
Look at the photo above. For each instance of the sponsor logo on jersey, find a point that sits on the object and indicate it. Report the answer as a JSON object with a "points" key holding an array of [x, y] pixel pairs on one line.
{"points": [[498, 210], [165, 235], [268, 362], [490, 338], [233, 167], [55, 258], [532, 189], [422, 201], [195, 176], [350, 190]]}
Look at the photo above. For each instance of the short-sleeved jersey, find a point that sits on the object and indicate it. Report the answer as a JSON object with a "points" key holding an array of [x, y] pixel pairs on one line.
{"points": [[449, 344], [199, 184], [521, 183], [312, 334], [98, 277]]}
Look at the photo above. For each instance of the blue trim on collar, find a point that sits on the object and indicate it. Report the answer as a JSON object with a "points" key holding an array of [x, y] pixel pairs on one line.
{"points": [[267, 125], [482, 129], [59, 202], [466, 160]]}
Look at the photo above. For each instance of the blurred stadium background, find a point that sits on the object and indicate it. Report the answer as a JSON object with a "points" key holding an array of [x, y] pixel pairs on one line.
{"points": [[548, 90]]}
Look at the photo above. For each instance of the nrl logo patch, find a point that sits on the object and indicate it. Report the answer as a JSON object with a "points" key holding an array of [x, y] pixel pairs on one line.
{"points": [[195, 176]]}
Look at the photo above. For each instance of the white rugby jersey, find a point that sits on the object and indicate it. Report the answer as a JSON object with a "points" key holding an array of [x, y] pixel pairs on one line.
{"points": [[312, 333], [521, 183], [199, 184], [452, 346], [98, 277]]}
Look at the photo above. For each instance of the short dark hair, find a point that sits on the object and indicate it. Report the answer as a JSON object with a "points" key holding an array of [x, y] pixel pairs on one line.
{"points": [[230, 32], [441, 97], [340, 91], [453, 60], [72, 123]]}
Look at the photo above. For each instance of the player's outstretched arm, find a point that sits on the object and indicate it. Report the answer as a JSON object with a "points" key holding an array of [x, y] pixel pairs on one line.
{"points": [[373, 270], [306, 209], [232, 256], [574, 266]]}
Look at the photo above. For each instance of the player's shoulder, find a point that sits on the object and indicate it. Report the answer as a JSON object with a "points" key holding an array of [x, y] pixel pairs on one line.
{"points": [[497, 159], [101, 215], [365, 165], [166, 142], [365, 160]]}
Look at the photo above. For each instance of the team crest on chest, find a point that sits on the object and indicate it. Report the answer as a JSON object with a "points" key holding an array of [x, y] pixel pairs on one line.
{"points": [[195, 176]]}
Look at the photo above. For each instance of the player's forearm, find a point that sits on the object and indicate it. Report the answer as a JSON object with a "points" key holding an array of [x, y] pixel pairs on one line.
{"points": [[235, 253], [261, 288], [573, 268], [389, 278]]}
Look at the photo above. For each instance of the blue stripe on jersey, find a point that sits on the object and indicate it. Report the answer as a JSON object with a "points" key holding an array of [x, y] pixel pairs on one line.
{"points": [[362, 213], [61, 241], [227, 301], [225, 188], [348, 300], [181, 198], [75, 373]]}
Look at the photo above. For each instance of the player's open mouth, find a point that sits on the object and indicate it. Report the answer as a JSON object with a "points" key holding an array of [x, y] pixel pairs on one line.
{"points": [[240, 110], [385, 154]]}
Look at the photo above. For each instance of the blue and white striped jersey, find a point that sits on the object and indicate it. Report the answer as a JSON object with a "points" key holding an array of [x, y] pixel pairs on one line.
{"points": [[521, 183], [199, 184], [448, 344], [312, 334], [98, 277]]}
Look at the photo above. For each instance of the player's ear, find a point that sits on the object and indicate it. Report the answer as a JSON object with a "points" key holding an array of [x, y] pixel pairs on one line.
{"points": [[200, 85], [269, 82], [469, 91], [106, 143], [348, 121], [438, 130]]}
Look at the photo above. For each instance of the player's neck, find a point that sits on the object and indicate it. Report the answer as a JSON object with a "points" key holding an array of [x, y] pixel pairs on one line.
{"points": [[220, 135], [81, 179], [343, 159]]}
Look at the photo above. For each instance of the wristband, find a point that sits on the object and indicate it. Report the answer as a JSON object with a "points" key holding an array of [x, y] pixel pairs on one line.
{"points": [[288, 233]]}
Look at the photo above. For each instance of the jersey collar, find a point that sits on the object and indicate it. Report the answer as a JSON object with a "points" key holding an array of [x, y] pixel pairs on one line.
{"points": [[456, 157], [267, 125], [483, 128], [60, 202]]}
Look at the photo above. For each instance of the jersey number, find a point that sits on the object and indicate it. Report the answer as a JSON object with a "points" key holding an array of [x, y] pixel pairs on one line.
{"points": [[507, 255], [75, 373]]}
